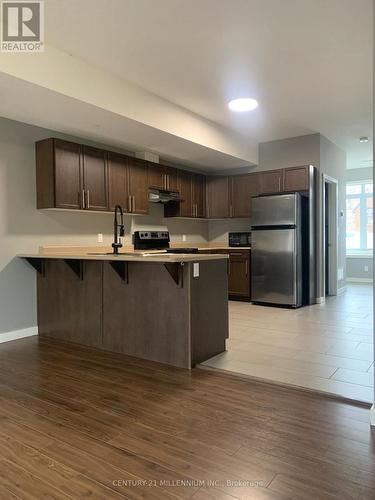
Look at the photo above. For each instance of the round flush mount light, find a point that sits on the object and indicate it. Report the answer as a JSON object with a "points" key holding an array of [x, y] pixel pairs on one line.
{"points": [[363, 139], [243, 104]]}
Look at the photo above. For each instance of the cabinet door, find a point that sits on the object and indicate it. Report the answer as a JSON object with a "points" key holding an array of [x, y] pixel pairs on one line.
{"points": [[243, 188], [239, 274], [271, 181], [171, 178], [68, 186], [138, 185], [199, 195], [118, 182], [296, 179], [156, 176], [218, 197], [185, 188], [95, 178]]}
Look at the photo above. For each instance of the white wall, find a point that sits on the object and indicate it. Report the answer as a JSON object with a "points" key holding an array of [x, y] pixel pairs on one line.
{"points": [[23, 228]]}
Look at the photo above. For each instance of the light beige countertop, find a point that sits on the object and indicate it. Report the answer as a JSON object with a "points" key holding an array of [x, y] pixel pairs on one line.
{"points": [[223, 248], [127, 257]]}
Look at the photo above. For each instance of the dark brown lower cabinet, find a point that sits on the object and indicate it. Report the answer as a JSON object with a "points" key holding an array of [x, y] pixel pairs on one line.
{"points": [[69, 308], [164, 313], [239, 274]]}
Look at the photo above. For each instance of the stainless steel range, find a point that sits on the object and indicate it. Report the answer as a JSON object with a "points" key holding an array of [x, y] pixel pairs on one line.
{"points": [[157, 240]]}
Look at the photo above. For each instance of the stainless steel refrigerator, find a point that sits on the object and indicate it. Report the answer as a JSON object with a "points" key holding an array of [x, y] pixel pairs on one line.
{"points": [[276, 253]]}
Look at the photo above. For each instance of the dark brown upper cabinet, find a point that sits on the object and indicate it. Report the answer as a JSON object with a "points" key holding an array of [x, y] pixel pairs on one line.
{"points": [[193, 194], [218, 197], [243, 187], [58, 174], [95, 183], [162, 177], [128, 183], [296, 179], [138, 185], [118, 182], [185, 188], [70, 176], [271, 181], [199, 195]]}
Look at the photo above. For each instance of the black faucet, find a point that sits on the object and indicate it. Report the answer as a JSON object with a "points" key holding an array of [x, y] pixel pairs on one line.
{"points": [[118, 229]]}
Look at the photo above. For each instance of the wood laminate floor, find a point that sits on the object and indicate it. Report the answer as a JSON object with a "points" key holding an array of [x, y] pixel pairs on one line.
{"points": [[327, 347], [77, 423]]}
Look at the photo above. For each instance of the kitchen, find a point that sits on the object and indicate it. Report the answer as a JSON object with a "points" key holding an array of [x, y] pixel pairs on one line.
{"points": [[167, 321]]}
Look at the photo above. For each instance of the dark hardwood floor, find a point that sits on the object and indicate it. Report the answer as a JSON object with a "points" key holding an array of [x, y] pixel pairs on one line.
{"points": [[76, 422]]}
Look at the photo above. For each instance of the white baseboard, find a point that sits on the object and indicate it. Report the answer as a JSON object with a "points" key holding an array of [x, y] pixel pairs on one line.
{"points": [[359, 280], [341, 290], [372, 415], [18, 334], [320, 300]]}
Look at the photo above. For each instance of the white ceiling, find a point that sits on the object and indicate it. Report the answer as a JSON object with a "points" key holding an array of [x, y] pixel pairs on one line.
{"points": [[308, 62]]}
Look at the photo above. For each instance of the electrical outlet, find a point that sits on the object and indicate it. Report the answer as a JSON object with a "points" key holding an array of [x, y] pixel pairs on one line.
{"points": [[184, 237], [100, 237], [366, 269]]}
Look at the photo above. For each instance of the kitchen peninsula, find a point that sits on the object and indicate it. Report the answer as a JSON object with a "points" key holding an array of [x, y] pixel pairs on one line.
{"points": [[170, 308]]}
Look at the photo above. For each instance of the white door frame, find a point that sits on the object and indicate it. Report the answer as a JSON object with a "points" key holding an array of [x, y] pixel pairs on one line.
{"points": [[333, 222]]}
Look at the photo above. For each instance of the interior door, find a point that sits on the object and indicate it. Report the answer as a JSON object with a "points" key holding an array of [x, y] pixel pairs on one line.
{"points": [[95, 178], [274, 266], [68, 187]]}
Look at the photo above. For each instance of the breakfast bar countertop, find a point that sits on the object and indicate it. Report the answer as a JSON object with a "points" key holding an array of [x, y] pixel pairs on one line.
{"points": [[127, 257]]}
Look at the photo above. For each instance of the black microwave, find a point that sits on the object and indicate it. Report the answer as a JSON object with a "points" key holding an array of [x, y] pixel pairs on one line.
{"points": [[240, 239]]}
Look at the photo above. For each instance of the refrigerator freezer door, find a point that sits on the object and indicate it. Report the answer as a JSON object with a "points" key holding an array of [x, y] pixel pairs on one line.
{"points": [[274, 267], [275, 210]]}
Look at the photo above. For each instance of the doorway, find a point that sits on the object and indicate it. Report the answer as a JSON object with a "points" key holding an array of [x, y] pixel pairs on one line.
{"points": [[330, 235]]}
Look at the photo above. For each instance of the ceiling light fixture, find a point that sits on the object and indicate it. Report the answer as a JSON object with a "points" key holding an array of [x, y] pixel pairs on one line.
{"points": [[243, 104], [363, 139]]}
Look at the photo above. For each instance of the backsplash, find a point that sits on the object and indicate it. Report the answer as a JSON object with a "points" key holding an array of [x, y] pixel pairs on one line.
{"points": [[218, 229]]}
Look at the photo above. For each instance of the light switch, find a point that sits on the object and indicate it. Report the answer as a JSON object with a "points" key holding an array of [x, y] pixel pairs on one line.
{"points": [[196, 270], [100, 238]]}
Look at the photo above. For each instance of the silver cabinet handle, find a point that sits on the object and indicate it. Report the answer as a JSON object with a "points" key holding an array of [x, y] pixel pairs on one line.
{"points": [[129, 203], [88, 198], [83, 199], [133, 207], [247, 267]]}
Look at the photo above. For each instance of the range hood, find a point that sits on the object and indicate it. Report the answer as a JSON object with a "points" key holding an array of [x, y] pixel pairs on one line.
{"points": [[163, 196]]}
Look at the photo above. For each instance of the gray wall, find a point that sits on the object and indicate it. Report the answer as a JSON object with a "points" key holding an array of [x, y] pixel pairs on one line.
{"points": [[356, 268], [358, 174], [292, 152], [23, 228], [317, 150], [333, 164]]}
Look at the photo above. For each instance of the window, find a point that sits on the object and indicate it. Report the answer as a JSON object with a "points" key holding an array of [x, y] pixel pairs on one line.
{"points": [[359, 217]]}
